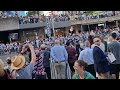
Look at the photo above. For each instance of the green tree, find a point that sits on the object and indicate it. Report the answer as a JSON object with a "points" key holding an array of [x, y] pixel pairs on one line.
{"points": [[92, 12], [29, 13]]}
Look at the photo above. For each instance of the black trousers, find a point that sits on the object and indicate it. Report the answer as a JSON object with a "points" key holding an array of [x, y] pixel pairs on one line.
{"points": [[38, 76], [90, 68], [33, 76], [115, 69], [47, 70]]}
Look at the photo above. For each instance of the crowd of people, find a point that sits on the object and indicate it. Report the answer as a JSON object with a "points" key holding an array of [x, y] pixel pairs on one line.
{"points": [[65, 57], [9, 48], [29, 19], [67, 17], [42, 18], [96, 15], [63, 17]]}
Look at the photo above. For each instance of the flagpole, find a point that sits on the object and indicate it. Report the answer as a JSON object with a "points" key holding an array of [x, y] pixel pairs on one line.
{"points": [[53, 26], [47, 27], [88, 27]]}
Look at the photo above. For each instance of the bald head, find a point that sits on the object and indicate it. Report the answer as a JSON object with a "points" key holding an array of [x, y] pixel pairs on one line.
{"points": [[57, 41]]}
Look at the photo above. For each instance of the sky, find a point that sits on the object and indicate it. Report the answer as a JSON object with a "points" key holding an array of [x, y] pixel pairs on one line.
{"points": [[25, 12], [46, 13]]}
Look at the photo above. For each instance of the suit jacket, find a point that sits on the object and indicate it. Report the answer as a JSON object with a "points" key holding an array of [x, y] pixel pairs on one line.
{"points": [[100, 60], [46, 59]]}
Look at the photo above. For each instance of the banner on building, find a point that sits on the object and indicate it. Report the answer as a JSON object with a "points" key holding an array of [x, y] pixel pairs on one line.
{"points": [[47, 28]]}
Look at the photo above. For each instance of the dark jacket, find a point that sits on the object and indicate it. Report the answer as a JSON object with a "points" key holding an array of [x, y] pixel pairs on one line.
{"points": [[78, 50], [71, 54], [46, 59], [100, 60]]}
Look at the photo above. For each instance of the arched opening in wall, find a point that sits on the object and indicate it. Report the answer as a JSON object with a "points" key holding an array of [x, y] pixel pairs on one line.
{"points": [[111, 24], [85, 28], [4, 37], [93, 26]]}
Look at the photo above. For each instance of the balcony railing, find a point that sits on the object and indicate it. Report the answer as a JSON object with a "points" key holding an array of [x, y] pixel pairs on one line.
{"points": [[70, 22], [13, 23]]}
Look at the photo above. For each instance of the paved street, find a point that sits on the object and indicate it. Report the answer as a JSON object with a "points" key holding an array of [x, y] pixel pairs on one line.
{"points": [[3, 57]]}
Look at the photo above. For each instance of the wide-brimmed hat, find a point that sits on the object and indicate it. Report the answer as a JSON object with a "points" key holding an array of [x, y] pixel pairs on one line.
{"points": [[43, 46], [17, 62]]}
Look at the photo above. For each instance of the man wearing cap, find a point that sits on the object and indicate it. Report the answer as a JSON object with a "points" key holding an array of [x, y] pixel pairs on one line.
{"points": [[60, 56]]}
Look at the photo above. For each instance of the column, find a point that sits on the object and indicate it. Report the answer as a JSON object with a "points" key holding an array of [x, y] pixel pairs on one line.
{"points": [[88, 27], [45, 33], [117, 24], [104, 25], [81, 28], [23, 38], [23, 33], [53, 26]]}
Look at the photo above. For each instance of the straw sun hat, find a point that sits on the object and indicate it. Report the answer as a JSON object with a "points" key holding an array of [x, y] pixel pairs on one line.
{"points": [[17, 62]]}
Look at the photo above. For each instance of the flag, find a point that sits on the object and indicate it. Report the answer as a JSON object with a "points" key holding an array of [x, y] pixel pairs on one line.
{"points": [[47, 30]]}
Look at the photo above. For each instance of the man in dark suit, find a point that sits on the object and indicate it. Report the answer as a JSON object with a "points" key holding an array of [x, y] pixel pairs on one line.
{"points": [[100, 61], [46, 61]]}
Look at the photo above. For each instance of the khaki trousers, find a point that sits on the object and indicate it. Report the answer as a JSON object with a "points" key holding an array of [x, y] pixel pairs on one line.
{"points": [[60, 69], [103, 75]]}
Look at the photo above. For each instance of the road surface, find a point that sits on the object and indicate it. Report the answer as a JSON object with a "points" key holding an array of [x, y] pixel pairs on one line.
{"points": [[3, 57]]}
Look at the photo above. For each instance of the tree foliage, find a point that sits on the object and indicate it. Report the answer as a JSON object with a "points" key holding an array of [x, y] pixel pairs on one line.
{"points": [[29, 13], [89, 12], [92, 12]]}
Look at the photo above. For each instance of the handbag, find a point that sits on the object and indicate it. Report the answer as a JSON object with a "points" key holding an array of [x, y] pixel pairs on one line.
{"points": [[111, 57]]}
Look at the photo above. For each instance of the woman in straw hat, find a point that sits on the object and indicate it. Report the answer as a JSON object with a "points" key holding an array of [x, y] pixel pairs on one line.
{"points": [[19, 67]]}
